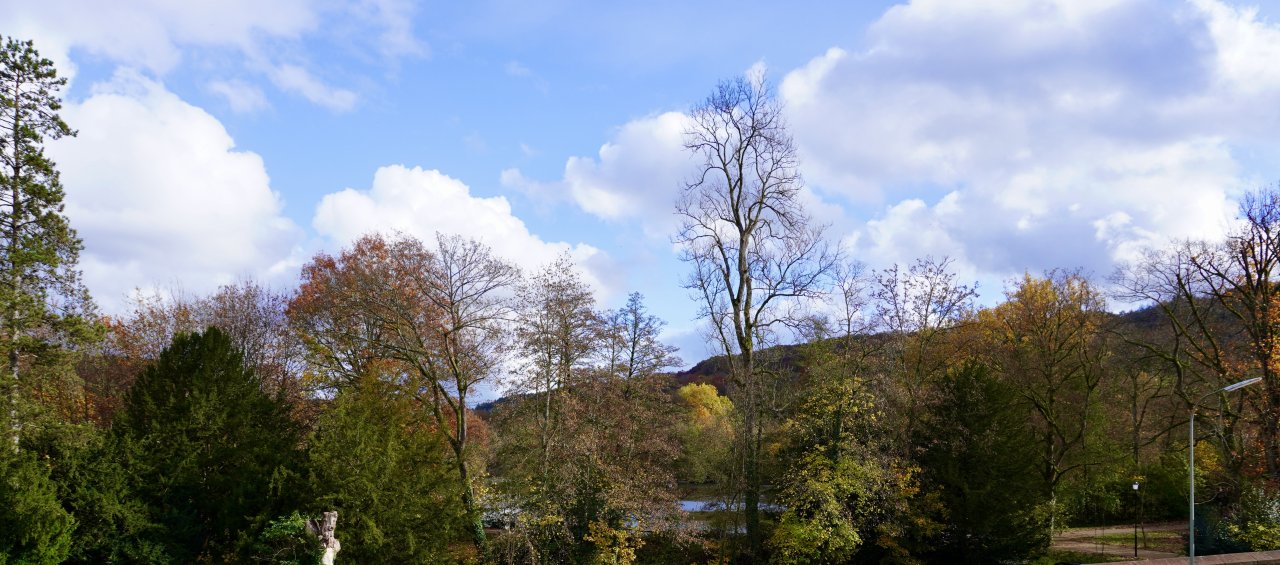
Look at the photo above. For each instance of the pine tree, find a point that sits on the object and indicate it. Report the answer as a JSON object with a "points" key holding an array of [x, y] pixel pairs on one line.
{"points": [[42, 301]]}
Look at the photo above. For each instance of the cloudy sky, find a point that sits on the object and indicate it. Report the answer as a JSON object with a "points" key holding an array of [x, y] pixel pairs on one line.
{"points": [[236, 138]]}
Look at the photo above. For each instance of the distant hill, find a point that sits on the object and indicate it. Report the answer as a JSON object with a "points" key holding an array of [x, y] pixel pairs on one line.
{"points": [[715, 370]]}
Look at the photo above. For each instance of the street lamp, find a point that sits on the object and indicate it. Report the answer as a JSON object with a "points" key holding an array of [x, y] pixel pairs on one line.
{"points": [[1136, 517], [1191, 524]]}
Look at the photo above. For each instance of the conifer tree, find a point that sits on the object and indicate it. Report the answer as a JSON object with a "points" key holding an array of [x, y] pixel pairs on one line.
{"points": [[204, 444], [41, 298]]}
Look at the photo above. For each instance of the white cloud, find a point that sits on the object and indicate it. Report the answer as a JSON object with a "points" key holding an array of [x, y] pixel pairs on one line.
{"points": [[151, 33], [293, 78], [635, 176], [159, 35], [1038, 133], [1247, 48], [395, 18], [159, 194], [242, 97], [422, 202]]}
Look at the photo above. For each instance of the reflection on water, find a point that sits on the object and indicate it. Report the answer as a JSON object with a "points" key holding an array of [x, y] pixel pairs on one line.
{"points": [[715, 505]]}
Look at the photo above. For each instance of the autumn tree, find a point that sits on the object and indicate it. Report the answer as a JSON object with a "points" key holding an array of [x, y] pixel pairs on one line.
{"points": [[602, 414], [328, 313], [433, 320], [1050, 345], [559, 332], [753, 250], [42, 301], [1219, 302], [251, 314]]}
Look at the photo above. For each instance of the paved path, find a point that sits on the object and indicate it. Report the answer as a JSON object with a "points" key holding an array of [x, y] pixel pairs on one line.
{"points": [[1080, 540]]}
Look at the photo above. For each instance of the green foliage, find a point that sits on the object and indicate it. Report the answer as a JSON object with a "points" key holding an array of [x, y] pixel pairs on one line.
{"points": [[34, 528], [375, 461], [819, 526], [203, 444], [286, 541], [976, 459], [844, 494], [38, 248], [112, 525], [1255, 519]]}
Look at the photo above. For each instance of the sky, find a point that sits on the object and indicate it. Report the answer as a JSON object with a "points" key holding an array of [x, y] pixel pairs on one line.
{"points": [[232, 139]]}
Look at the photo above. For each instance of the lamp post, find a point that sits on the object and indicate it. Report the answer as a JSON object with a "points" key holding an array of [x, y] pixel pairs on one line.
{"points": [[1191, 524], [1135, 520]]}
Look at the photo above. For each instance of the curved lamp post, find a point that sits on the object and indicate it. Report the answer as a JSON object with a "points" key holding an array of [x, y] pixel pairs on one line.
{"points": [[1191, 525]]}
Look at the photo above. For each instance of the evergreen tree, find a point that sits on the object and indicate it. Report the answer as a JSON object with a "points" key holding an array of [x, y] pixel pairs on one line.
{"points": [[34, 528], [111, 524], [376, 462], [977, 457], [204, 445], [42, 302]]}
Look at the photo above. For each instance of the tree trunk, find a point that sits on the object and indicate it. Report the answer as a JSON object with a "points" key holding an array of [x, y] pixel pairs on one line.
{"points": [[475, 522], [15, 279]]}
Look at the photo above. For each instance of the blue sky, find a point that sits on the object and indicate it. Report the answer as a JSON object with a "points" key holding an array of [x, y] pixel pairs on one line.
{"points": [[231, 139]]}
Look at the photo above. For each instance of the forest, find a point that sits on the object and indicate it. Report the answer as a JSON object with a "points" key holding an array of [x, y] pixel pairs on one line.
{"points": [[853, 415]]}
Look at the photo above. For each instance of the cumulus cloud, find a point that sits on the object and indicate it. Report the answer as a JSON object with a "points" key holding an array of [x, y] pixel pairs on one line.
{"points": [[1010, 135], [1037, 133], [635, 176], [422, 203], [158, 192]]}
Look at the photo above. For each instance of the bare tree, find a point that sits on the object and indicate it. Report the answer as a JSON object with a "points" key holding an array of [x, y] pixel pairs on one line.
{"points": [[559, 332], [918, 307], [754, 251], [631, 344], [1222, 305]]}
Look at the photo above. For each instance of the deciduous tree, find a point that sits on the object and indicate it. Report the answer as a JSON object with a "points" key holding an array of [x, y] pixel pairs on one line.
{"points": [[754, 252], [434, 321]]}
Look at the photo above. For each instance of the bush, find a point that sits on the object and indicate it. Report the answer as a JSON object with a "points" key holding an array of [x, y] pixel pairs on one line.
{"points": [[1254, 521], [286, 541]]}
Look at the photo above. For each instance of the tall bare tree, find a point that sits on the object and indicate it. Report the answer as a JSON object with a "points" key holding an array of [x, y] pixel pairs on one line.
{"points": [[754, 251]]}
